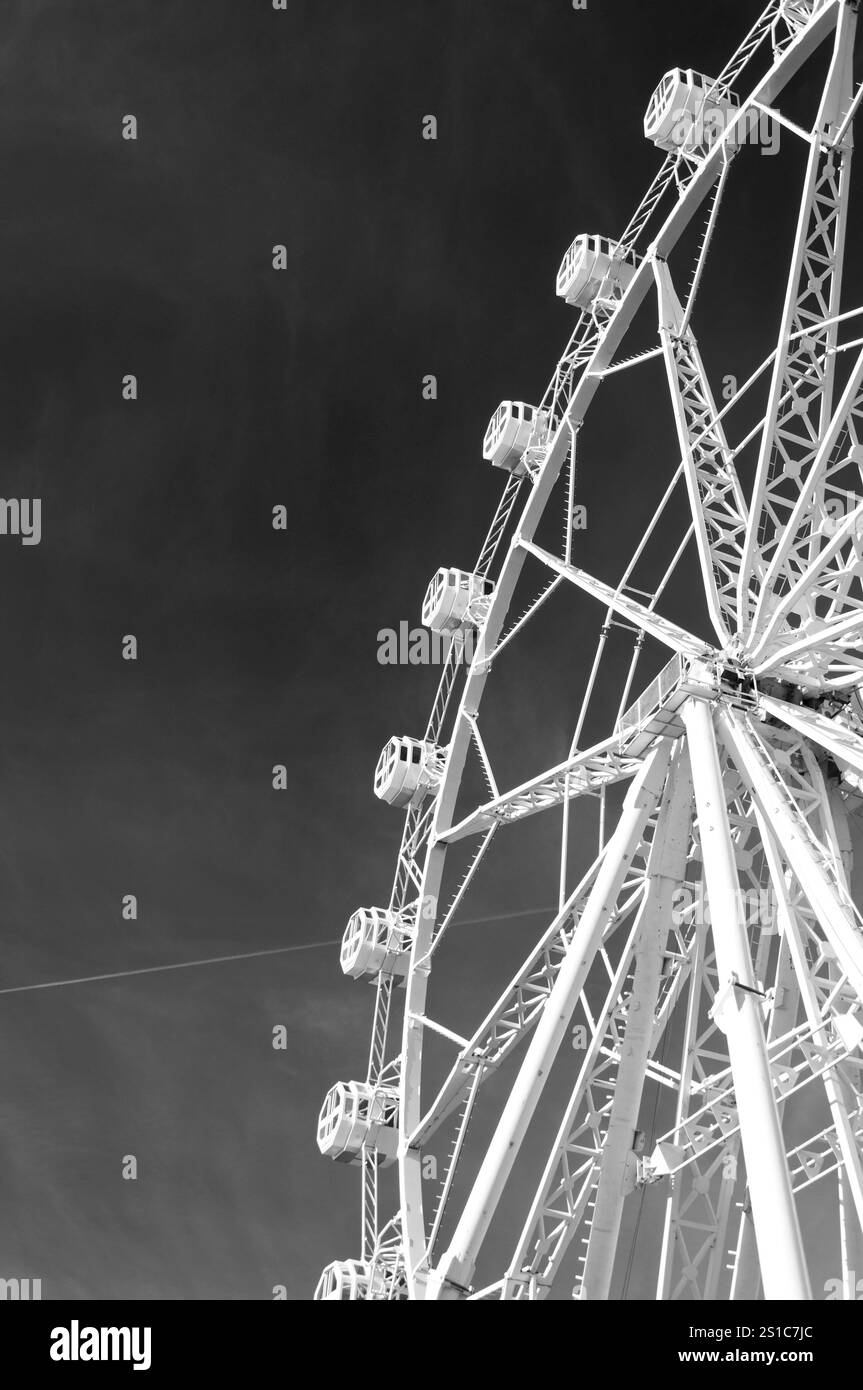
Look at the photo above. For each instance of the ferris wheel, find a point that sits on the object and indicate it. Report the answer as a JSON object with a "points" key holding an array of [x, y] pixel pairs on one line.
{"points": [[660, 1046]]}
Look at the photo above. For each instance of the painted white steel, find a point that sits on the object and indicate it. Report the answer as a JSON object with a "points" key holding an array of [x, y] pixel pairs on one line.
{"points": [[456, 1268], [777, 1230]]}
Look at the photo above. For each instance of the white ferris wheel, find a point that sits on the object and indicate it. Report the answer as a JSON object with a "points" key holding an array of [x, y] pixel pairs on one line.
{"points": [[659, 1040]]}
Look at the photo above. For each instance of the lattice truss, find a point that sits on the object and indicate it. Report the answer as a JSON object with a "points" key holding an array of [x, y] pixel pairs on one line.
{"points": [[667, 1094]]}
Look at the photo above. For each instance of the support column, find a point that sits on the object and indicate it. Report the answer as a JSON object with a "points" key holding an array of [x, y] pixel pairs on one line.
{"points": [[666, 870], [687, 1058], [737, 1013], [746, 1279], [850, 1240], [455, 1271]]}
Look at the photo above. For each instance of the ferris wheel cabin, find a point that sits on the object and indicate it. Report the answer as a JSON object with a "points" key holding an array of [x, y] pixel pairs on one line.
{"points": [[407, 770], [592, 269], [347, 1281], [454, 600], [512, 429], [355, 1115], [376, 941], [688, 111]]}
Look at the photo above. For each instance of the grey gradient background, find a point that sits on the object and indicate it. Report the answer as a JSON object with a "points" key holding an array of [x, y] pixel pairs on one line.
{"points": [[257, 647]]}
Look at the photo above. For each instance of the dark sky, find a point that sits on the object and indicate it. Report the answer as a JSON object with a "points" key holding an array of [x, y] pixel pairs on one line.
{"points": [[257, 647]]}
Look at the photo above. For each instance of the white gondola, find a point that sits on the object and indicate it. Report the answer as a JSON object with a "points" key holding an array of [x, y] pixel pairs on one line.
{"points": [[455, 600], [687, 111], [348, 1281], [592, 269], [376, 941], [407, 770], [514, 427], [355, 1114]]}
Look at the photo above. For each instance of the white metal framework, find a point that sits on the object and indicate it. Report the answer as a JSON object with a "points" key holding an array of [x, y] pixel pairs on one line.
{"points": [[682, 1043]]}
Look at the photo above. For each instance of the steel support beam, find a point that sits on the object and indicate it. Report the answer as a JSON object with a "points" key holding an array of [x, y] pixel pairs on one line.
{"points": [[807, 859], [666, 870], [454, 1273], [737, 1012]]}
